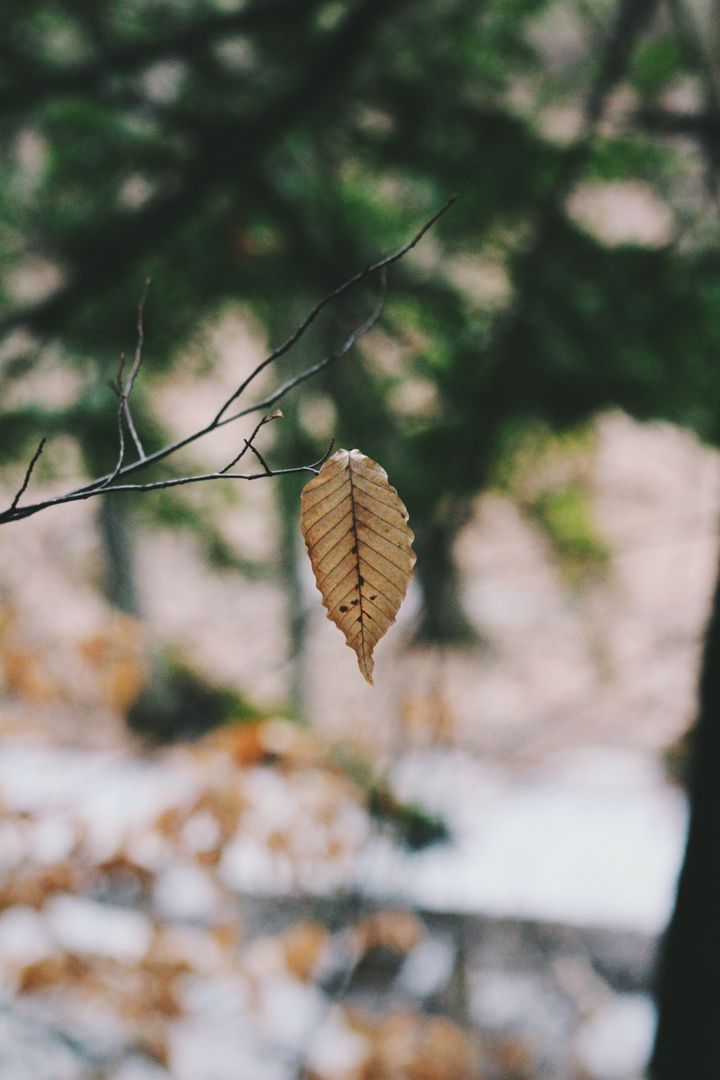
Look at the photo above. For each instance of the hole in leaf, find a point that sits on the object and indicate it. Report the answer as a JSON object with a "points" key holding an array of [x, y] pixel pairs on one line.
{"points": [[343, 607]]}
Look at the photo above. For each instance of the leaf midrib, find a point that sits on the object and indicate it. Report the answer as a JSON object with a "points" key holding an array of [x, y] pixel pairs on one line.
{"points": [[357, 565]]}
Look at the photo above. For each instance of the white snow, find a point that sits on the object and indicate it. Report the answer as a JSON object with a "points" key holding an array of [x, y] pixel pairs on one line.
{"points": [[24, 937], [202, 1050], [428, 967], [592, 840], [341, 1050], [185, 891], [82, 926], [137, 1068], [615, 1042]]}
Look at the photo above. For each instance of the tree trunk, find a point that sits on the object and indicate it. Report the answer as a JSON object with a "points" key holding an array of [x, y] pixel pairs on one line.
{"points": [[295, 447], [297, 615], [115, 526], [443, 620], [688, 985]]}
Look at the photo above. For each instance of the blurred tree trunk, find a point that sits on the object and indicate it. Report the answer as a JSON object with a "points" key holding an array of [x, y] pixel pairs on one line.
{"points": [[688, 986], [289, 547], [115, 524], [443, 620], [290, 552], [175, 702]]}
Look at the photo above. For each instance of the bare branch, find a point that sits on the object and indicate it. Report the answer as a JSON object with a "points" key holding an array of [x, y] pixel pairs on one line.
{"points": [[28, 473], [277, 395], [106, 483], [103, 485], [159, 485], [350, 340]]}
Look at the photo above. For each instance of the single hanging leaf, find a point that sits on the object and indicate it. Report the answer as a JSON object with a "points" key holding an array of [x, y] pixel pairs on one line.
{"points": [[360, 546]]}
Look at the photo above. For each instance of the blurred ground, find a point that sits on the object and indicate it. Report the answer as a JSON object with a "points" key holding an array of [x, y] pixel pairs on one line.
{"points": [[148, 927]]}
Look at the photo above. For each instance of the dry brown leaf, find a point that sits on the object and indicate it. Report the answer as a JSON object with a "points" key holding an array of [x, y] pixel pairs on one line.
{"points": [[25, 677], [49, 972], [35, 888], [416, 1047], [360, 546], [303, 946], [428, 719], [245, 742], [399, 931]]}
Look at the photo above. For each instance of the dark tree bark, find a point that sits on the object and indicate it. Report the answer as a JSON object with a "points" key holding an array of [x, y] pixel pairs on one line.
{"points": [[119, 585], [290, 550], [443, 620], [688, 986]]}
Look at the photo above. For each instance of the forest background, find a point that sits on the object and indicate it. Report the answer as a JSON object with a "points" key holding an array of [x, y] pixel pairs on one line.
{"points": [[248, 158]]}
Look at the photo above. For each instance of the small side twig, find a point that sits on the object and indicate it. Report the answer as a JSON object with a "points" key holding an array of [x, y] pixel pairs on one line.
{"points": [[28, 473], [296, 380], [258, 456], [119, 390], [249, 442], [159, 485], [123, 388], [137, 361]]}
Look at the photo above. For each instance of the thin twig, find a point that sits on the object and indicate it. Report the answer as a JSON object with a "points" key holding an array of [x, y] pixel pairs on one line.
{"points": [[119, 390], [123, 388], [121, 444], [350, 340], [249, 442], [373, 268], [258, 456], [28, 473], [137, 361]]}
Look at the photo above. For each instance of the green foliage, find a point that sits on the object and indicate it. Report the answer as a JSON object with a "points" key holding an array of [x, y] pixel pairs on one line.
{"points": [[195, 515], [179, 703], [657, 64], [548, 474], [413, 826], [566, 517]]}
